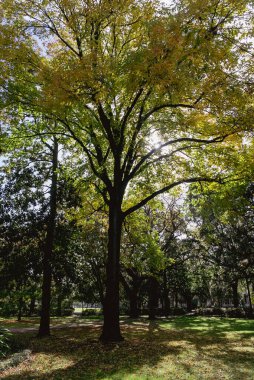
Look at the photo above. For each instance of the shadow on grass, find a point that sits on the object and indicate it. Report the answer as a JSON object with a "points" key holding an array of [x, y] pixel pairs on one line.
{"points": [[147, 345]]}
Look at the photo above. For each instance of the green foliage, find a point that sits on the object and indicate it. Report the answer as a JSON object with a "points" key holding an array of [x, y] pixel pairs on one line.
{"points": [[91, 312], [4, 341]]}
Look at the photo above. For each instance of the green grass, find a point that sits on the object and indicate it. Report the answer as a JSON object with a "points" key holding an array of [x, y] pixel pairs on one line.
{"points": [[182, 348]]}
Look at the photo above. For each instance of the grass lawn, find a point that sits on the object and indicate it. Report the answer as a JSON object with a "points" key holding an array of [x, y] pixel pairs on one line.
{"points": [[181, 348]]}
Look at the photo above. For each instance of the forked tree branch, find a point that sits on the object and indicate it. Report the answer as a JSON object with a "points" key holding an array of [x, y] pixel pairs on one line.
{"points": [[166, 188], [171, 142]]}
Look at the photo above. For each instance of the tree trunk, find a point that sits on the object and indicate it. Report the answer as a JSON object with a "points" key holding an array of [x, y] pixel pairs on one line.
{"points": [[100, 283], [132, 290], [133, 297], [111, 326], [153, 298], [166, 304], [20, 305], [59, 305], [32, 306], [188, 299], [235, 293], [249, 296], [176, 300], [165, 295], [44, 329]]}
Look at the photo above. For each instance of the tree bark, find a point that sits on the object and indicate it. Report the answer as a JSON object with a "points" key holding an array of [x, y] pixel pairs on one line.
{"points": [[166, 303], [20, 306], [249, 297], [165, 295], [100, 283], [188, 299], [132, 290], [31, 306], [176, 299], [111, 327], [44, 329], [153, 298], [235, 293], [133, 297], [59, 305]]}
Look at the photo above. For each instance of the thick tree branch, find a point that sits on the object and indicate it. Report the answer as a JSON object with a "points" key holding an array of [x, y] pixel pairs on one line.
{"points": [[167, 188], [106, 125], [89, 154], [131, 107], [129, 159], [54, 29], [171, 142], [167, 105]]}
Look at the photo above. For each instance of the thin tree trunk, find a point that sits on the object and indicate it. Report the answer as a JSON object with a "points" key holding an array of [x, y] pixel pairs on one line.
{"points": [[188, 299], [111, 326], [166, 303], [32, 306], [99, 281], [235, 293], [165, 295], [133, 297], [132, 294], [176, 300], [20, 305], [153, 298], [59, 305], [44, 329], [249, 296]]}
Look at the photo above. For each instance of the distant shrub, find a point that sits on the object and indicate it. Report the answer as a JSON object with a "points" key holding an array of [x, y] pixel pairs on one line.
{"points": [[159, 312], [210, 311], [218, 311], [67, 312], [8, 310], [248, 313], [235, 312], [178, 311], [231, 312], [91, 312]]}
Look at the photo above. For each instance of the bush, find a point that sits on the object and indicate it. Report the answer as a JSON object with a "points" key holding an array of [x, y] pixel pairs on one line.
{"points": [[178, 311], [67, 312], [91, 312], [211, 311], [218, 311], [235, 313], [248, 313], [8, 310], [5, 336]]}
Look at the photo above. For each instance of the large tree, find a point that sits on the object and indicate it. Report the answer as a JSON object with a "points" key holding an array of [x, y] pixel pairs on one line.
{"points": [[136, 86]]}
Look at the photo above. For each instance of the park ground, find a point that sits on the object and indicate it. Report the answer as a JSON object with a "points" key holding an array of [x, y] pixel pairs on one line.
{"points": [[180, 348]]}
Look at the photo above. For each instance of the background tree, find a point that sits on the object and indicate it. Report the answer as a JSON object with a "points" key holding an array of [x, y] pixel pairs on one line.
{"points": [[226, 231]]}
